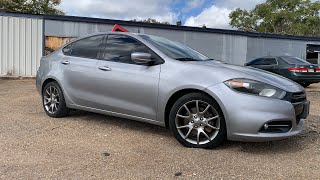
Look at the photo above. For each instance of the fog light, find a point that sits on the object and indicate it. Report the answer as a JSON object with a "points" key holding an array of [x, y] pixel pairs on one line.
{"points": [[266, 126]]}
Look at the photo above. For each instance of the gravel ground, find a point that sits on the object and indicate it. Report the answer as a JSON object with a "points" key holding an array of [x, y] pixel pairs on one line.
{"points": [[91, 146]]}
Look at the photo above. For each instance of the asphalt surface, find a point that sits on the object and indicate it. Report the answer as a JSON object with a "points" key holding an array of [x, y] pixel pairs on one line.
{"points": [[91, 146]]}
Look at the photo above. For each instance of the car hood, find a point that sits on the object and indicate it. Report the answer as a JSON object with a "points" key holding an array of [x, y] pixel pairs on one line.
{"points": [[254, 74]]}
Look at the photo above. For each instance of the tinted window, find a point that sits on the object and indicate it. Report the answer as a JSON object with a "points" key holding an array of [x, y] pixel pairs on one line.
{"points": [[256, 62], [67, 50], [120, 47], [294, 60], [173, 49], [269, 61], [88, 47]]}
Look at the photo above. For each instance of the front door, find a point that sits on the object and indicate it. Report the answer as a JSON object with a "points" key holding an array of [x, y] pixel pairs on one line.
{"points": [[126, 87]]}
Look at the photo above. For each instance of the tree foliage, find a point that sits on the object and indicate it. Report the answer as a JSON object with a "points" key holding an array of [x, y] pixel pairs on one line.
{"points": [[31, 6], [293, 17], [150, 20]]}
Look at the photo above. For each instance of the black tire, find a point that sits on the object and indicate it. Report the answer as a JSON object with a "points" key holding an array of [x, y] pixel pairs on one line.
{"points": [[306, 84], [62, 109], [218, 138]]}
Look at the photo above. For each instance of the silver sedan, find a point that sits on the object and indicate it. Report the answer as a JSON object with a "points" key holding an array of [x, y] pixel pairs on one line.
{"points": [[152, 79]]}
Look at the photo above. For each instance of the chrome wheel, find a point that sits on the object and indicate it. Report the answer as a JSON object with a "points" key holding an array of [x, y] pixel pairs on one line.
{"points": [[197, 122], [51, 99]]}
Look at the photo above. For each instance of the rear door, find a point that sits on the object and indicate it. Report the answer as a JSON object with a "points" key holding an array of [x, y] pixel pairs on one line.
{"points": [[80, 74], [124, 86]]}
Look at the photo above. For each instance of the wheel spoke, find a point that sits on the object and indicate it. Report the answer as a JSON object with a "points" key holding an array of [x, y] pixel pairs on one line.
{"points": [[197, 107], [185, 126], [205, 110], [205, 134], [187, 135], [212, 127], [198, 137], [55, 106], [184, 117], [187, 109], [212, 118], [51, 108]]}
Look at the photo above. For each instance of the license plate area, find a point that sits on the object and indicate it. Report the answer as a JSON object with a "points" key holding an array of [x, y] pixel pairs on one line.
{"points": [[310, 70]]}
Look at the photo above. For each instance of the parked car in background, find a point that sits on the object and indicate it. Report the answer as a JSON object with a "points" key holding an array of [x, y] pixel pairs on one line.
{"points": [[290, 67], [159, 81]]}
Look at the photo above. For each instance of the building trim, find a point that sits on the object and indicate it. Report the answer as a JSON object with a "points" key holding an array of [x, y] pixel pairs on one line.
{"points": [[161, 26]]}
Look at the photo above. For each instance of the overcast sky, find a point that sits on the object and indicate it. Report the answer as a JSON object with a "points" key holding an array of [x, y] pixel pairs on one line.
{"points": [[212, 13]]}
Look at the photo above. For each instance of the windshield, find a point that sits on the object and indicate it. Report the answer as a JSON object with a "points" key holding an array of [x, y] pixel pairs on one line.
{"points": [[174, 50], [294, 60]]}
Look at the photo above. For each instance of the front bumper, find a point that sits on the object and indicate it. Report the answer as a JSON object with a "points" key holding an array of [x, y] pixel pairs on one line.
{"points": [[246, 115]]}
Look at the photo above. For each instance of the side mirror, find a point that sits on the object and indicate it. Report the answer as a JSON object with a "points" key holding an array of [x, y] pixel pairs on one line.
{"points": [[141, 58]]}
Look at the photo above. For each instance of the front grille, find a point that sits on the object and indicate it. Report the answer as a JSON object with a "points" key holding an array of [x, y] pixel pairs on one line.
{"points": [[297, 99]]}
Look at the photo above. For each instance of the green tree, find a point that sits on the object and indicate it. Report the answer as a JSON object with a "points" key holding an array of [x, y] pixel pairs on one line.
{"points": [[150, 20], [31, 6], [293, 17]]}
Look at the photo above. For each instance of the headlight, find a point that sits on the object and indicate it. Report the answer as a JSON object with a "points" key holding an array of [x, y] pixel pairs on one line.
{"points": [[255, 87]]}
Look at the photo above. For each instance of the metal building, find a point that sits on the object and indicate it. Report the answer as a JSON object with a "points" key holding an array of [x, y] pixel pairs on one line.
{"points": [[24, 38]]}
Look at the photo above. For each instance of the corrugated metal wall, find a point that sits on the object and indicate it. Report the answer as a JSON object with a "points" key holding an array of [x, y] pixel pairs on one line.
{"points": [[229, 48], [21, 42], [234, 49], [258, 47]]}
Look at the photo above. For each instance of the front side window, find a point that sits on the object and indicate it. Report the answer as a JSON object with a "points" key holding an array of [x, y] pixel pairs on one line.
{"points": [[173, 49], [119, 48], [87, 47]]}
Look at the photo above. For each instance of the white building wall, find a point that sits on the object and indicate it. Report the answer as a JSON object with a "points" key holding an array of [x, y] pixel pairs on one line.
{"points": [[21, 42]]}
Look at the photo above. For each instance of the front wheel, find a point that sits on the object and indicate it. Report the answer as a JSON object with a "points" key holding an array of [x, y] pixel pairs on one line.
{"points": [[197, 121]]}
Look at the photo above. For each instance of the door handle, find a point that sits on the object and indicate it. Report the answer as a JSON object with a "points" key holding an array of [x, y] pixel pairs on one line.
{"points": [[104, 68], [65, 62]]}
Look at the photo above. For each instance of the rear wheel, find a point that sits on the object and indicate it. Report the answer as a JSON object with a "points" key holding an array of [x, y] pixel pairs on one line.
{"points": [[197, 121], [53, 101]]}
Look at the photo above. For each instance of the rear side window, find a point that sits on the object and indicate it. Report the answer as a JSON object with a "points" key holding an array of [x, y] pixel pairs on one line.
{"points": [[119, 48], [256, 62], [270, 61], [294, 60], [88, 47]]}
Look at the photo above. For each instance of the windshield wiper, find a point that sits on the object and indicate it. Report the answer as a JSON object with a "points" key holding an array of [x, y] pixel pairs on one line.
{"points": [[186, 59]]}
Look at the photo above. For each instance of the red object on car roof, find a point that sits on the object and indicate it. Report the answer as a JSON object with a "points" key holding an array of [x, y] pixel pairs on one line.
{"points": [[118, 28]]}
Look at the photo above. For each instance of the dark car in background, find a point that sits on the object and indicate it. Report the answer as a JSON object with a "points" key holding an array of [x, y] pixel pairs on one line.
{"points": [[292, 68]]}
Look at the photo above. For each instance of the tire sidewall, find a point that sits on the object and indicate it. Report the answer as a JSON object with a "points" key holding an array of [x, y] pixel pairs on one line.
{"points": [[221, 136]]}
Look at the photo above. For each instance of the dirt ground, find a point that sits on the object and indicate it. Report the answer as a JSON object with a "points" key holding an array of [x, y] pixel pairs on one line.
{"points": [[91, 146]]}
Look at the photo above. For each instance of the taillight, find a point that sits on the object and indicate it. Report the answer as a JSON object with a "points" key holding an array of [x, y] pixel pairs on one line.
{"points": [[317, 70], [299, 69]]}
